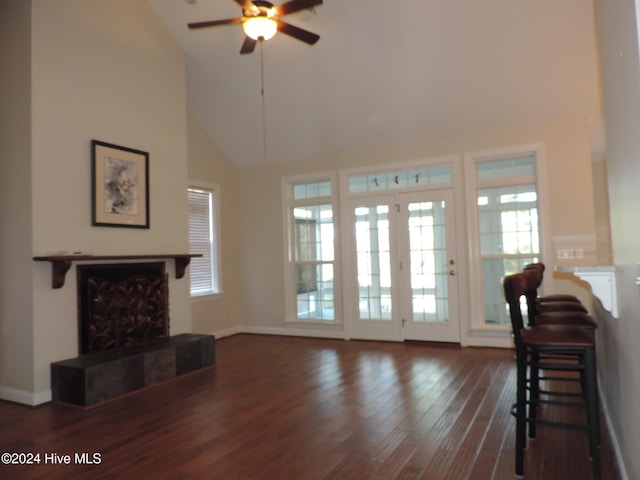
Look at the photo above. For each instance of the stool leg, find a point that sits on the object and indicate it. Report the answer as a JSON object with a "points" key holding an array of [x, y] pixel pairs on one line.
{"points": [[521, 406], [534, 393], [593, 413]]}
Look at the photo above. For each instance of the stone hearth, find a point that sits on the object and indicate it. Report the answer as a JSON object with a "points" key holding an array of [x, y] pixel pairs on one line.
{"points": [[90, 379]]}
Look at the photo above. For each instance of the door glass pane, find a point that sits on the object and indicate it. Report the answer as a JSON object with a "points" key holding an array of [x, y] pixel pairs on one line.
{"points": [[373, 261], [428, 255]]}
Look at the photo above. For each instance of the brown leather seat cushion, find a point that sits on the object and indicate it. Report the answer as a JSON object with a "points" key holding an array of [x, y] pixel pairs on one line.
{"points": [[558, 297], [560, 307], [577, 319], [557, 336]]}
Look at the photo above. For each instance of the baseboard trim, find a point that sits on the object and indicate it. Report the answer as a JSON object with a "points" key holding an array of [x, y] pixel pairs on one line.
{"points": [[292, 332], [615, 444], [24, 397], [226, 332], [469, 341]]}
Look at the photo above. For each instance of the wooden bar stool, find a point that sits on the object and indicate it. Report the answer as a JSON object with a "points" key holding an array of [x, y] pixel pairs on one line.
{"points": [[557, 297], [549, 312], [557, 348]]}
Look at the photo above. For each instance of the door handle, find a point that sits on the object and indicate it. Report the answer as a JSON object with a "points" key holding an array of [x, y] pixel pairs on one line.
{"points": [[452, 273]]}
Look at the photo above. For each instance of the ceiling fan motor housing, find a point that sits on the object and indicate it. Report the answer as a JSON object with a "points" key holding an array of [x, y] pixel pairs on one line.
{"points": [[260, 8]]}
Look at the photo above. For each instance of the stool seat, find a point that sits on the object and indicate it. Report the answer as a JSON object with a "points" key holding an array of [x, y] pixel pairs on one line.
{"points": [[555, 336], [558, 297], [544, 307]]}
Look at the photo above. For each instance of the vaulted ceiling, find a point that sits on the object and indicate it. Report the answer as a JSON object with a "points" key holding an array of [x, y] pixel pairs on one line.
{"points": [[384, 73]]}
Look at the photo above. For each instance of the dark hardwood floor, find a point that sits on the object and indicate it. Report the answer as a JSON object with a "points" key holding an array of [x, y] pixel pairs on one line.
{"points": [[299, 408]]}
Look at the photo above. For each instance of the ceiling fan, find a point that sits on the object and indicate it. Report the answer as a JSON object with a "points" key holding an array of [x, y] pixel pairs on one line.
{"points": [[261, 21]]}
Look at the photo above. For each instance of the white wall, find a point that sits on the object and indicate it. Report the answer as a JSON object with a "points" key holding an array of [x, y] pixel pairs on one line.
{"points": [[16, 308], [220, 314], [106, 70], [568, 194], [566, 130], [618, 43]]}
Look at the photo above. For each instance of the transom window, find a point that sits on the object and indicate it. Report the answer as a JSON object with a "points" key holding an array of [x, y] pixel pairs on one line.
{"points": [[406, 178]]}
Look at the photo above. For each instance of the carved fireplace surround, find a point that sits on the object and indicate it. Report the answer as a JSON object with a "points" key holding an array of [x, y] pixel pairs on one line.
{"points": [[122, 306]]}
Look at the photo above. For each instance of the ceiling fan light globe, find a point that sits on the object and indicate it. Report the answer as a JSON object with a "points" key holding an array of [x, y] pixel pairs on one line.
{"points": [[260, 27]]}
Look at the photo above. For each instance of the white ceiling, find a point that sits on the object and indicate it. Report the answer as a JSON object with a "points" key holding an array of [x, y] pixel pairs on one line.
{"points": [[384, 72]]}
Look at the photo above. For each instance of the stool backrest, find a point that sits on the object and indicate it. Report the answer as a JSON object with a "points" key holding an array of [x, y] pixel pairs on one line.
{"points": [[515, 286], [535, 266], [537, 269]]}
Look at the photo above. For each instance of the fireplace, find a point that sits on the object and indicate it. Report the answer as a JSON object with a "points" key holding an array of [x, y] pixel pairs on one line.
{"points": [[124, 342], [122, 306]]}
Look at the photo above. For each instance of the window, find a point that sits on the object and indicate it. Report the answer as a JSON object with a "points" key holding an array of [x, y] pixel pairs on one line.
{"points": [[310, 266], [401, 179], [203, 240], [507, 224]]}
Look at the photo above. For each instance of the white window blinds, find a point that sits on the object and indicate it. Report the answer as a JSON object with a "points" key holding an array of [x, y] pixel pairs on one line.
{"points": [[202, 270]]}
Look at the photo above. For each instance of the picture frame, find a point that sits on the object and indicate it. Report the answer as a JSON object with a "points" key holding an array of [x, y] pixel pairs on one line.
{"points": [[120, 186]]}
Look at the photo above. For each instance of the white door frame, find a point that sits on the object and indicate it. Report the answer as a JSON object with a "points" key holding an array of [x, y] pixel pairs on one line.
{"points": [[347, 238], [438, 331]]}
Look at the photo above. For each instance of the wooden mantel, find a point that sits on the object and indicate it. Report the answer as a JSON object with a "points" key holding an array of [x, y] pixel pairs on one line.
{"points": [[60, 264]]}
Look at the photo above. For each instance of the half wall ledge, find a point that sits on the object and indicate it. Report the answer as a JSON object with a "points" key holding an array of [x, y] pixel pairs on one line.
{"points": [[602, 279], [60, 264]]}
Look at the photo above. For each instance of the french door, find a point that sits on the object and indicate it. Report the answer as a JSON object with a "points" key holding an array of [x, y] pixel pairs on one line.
{"points": [[403, 264]]}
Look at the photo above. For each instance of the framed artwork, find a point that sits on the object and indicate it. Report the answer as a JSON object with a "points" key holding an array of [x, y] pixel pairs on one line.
{"points": [[120, 186]]}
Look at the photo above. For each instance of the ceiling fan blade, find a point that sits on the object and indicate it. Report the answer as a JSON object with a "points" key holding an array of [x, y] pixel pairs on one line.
{"points": [[248, 45], [295, 6], [298, 33], [215, 23]]}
